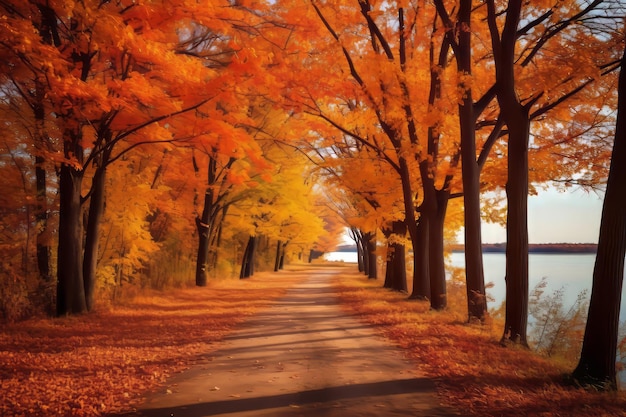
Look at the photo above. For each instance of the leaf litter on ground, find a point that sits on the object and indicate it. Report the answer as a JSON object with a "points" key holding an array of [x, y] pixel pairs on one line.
{"points": [[474, 372], [102, 362]]}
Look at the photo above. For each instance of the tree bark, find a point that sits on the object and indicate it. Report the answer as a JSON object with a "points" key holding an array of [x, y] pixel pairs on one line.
{"points": [[247, 264], [517, 118], [436, 258], [436, 201], [421, 280], [279, 245], [475, 280], [215, 241], [365, 237], [202, 258], [281, 262], [395, 272], [70, 286], [45, 290], [598, 356], [49, 34], [205, 224], [432, 215], [358, 240], [389, 262], [420, 290], [41, 218], [516, 277], [372, 263], [92, 234]]}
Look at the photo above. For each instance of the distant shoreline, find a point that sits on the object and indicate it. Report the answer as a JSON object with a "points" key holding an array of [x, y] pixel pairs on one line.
{"points": [[501, 248], [538, 248]]}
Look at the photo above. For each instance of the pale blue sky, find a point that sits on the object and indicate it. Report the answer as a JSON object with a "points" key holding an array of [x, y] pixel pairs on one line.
{"points": [[556, 217], [553, 217]]}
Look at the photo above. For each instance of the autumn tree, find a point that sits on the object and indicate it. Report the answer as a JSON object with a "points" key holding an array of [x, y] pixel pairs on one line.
{"points": [[280, 207], [110, 87], [132, 87], [597, 360], [459, 34], [342, 201], [30, 86], [374, 204], [365, 195], [225, 142], [520, 43], [213, 211], [228, 161], [128, 238], [29, 81], [22, 234], [384, 107]]}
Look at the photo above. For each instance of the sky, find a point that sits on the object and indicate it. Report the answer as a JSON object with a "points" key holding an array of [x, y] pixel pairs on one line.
{"points": [[553, 217], [557, 217]]}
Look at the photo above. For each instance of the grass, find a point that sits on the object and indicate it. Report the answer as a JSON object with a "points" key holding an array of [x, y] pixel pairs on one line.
{"points": [[474, 372]]}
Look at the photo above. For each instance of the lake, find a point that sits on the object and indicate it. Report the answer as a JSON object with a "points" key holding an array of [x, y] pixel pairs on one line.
{"points": [[572, 272]]}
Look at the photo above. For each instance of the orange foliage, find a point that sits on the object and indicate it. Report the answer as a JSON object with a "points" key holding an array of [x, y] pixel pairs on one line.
{"points": [[476, 374]]}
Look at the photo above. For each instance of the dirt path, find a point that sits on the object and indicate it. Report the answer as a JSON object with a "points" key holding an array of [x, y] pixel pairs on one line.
{"points": [[303, 356]]}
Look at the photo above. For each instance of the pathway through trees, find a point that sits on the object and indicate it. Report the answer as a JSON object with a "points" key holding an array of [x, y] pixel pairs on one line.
{"points": [[303, 356]]}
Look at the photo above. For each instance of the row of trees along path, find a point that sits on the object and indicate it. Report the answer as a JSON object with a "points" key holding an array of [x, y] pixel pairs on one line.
{"points": [[143, 137]]}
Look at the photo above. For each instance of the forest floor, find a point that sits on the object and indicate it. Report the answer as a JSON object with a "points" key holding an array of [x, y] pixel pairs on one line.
{"points": [[279, 344]]}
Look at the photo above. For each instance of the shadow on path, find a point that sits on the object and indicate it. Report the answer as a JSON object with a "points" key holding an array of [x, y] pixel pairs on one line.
{"points": [[303, 356], [307, 403]]}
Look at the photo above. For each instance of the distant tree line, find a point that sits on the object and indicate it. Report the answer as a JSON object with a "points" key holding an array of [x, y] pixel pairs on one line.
{"points": [[537, 248]]}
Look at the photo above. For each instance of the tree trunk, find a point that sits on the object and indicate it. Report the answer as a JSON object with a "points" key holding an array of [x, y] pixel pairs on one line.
{"points": [[358, 240], [436, 258], [48, 32], [418, 240], [433, 268], [247, 264], [365, 237], [372, 262], [389, 265], [43, 240], [436, 200], [279, 245], [92, 234], [475, 280], [205, 225], [421, 280], [281, 262], [517, 120], [45, 290], [216, 242], [395, 272], [41, 217], [70, 287], [202, 258], [598, 357], [516, 277]]}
